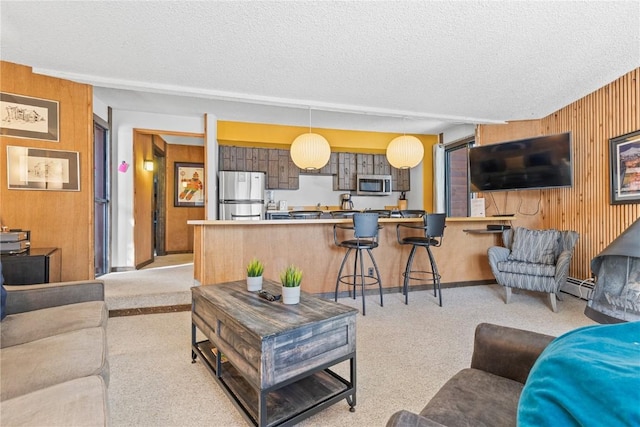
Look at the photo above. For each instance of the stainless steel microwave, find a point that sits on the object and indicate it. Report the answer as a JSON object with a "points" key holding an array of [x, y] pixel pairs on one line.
{"points": [[373, 185]]}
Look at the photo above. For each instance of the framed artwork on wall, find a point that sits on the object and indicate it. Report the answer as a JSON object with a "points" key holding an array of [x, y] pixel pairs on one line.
{"points": [[38, 169], [28, 117], [624, 160], [188, 184]]}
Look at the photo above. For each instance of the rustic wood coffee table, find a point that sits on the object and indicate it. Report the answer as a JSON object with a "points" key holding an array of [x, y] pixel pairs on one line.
{"points": [[273, 360]]}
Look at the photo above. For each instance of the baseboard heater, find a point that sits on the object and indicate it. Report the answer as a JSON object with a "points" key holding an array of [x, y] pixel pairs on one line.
{"points": [[579, 288]]}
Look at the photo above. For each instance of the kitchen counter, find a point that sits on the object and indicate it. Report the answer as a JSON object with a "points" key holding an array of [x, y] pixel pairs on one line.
{"points": [[222, 249], [341, 220]]}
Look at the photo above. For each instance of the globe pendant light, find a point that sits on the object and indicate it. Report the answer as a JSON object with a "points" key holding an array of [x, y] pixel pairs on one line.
{"points": [[404, 152], [310, 151]]}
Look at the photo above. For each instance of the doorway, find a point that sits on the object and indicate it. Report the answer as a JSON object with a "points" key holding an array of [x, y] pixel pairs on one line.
{"points": [[101, 195], [159, 197]]}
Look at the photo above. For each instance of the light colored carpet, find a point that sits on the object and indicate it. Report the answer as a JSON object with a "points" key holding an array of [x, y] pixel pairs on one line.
{"points": [[165, 282], [404, 355]]}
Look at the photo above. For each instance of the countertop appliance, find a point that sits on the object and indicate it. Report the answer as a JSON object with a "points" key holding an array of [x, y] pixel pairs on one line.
{"points": [[373, 185], [345, 202], [241, 195]]}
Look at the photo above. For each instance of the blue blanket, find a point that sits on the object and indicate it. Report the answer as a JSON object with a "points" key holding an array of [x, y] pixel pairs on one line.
{"points": [[587, 377]]}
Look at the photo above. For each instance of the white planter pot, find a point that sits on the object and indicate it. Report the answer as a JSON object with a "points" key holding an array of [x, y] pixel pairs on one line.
{"points": [[290, 295], [254, 283]]}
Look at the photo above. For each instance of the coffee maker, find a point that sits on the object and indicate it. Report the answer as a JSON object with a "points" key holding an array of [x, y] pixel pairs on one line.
{"points": [[345, 202]]}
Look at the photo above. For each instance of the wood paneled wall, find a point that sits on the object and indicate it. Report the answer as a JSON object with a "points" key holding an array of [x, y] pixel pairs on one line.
{"points": [[179, 235], [611, 111], [62, 219], [143, 238]]}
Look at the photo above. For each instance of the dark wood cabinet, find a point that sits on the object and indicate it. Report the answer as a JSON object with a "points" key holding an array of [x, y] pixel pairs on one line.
{"points": [[39, 265], [283, 174], [345, 178]]}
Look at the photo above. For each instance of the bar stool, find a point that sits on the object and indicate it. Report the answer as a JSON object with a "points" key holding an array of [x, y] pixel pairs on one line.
{"points": [[412, 213], [343, 214], [382, 213], [433, 226], [305, 214], [365, 232]]}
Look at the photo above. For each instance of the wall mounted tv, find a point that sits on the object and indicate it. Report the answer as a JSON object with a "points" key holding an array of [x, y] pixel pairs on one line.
{"points": [[540, 162]]}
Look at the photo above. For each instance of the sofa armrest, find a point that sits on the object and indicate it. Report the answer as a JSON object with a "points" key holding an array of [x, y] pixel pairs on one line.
{"points": [[562, 267], [25, 298], [409, 419], [507, 352]]}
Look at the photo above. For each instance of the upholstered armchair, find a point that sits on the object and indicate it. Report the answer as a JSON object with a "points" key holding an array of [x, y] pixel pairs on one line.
{"points": [[535, 260]]}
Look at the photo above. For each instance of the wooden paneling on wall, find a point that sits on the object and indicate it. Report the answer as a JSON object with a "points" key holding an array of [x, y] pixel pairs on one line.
{"points": [[62, 219], [143, 237], [179, 233], [611, 111]]}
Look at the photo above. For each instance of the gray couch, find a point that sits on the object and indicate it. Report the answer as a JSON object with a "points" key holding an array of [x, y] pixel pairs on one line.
{"points": [[487, 393], [53, 355]]}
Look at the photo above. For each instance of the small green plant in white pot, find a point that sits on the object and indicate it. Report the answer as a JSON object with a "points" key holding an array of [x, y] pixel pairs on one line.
{"points": [[255, 268], [291, 278]]}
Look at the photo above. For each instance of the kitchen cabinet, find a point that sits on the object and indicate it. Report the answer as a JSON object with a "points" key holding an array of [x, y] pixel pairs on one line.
{"points": [[246, 159], [400, 179], [331, 168], [283, 174], [345, 179]]}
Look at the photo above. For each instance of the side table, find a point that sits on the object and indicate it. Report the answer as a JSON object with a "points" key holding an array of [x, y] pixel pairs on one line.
{"points": [[38, 265]]}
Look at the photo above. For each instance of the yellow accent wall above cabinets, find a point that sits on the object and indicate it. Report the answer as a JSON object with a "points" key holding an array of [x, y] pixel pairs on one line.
{"points": [[280, 136]]}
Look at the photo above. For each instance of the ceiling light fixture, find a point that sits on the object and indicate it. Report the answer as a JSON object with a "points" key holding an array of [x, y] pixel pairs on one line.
{"points": [[148, 165], [310, 151], [405, 152]]}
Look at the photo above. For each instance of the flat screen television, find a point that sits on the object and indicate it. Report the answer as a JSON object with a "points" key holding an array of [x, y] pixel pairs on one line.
{"points": [[525, 164]]}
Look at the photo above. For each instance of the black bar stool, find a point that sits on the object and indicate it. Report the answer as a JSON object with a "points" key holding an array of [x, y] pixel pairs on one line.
{"points": [[305, 214], [382, 213], [343, 214], [412, 213], [433, 226], [365, 232]]}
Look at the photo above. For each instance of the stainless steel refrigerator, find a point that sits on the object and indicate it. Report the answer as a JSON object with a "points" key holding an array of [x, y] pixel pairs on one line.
{"points": [[241, 195]]}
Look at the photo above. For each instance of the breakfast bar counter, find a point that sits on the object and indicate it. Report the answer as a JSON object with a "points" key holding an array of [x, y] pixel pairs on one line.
{"points": [[222, 250]]}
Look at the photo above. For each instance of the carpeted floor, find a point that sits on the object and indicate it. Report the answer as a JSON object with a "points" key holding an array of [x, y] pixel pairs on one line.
{"points": [[165, 282], [405, 353]]}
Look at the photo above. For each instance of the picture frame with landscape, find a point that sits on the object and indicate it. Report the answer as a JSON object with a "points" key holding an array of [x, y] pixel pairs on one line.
{"points": [[624, 159]]}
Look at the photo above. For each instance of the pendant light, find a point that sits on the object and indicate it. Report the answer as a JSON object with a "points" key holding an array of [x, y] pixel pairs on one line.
{"points": [[404, 152], [310, 151]]}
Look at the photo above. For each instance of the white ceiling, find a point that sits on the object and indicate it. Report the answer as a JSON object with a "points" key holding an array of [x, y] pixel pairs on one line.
{"points": [[414, 66]]}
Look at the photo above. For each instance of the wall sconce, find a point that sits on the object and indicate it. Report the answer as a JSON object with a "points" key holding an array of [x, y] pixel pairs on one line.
{"points": [[148, 165]]}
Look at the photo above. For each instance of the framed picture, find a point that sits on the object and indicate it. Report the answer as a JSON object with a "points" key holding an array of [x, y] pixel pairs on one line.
{"points": [[27, 117], [624, 158], [38, 169], [189, 184]]}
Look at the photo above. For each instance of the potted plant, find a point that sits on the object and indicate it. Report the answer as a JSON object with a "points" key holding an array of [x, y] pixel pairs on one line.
{"points": [[254, 275], [291, 278]]}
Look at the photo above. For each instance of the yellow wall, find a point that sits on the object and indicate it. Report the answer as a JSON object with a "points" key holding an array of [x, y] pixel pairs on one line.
{"points": [[279, 136]]}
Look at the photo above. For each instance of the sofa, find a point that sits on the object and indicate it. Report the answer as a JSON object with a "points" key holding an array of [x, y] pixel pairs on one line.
{"points": [[588, 376], [53, 355]]}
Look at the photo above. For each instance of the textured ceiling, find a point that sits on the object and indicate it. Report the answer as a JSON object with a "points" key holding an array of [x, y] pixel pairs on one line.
{"points": [[415, 66]]}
